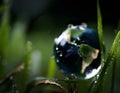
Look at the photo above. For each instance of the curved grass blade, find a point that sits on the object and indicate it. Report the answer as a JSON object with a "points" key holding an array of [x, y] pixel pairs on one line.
{"points": [[12, 74], [43, 81], [106, 63]]}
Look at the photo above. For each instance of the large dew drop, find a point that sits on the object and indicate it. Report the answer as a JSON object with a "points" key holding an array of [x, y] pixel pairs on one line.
{"points": [[77, 52]]}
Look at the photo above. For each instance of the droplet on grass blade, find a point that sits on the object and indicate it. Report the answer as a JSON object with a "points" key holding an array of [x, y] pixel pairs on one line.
{"points": [[77, 52]]}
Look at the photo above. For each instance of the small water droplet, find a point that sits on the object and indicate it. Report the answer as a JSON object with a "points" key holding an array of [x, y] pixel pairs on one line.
{"points": [[74, 91], [73, 75], [56, 48], [17, 91], [97, 76], [83, 26], [95, 82], [14, 89], [57, 60], [14, 86], [11, 78], [63, 42], [60, 55], [70, 25], [105, 73], [62, 70]]}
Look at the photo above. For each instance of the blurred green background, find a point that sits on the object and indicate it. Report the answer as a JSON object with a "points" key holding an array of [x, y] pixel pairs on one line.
{"points": [[40, 21]]}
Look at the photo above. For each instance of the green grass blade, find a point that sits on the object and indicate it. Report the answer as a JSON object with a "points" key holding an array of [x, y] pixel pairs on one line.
{"points": [[25, 74], [2, 7], [107, 62], [100, 34], [51, 68], [4, 33], [113, 75], [35, 65], [100, 28], [15, 47], [27, 58], [4, 30]]}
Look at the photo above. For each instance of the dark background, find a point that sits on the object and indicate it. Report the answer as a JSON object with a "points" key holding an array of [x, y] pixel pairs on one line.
{"points": [[66, 11]]}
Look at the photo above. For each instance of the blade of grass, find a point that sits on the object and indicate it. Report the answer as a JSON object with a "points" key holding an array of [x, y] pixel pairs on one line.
{"points": [[4, 33], [106, 63], [6, 4], [2, 8], [15, 48], [100, 34], [40, 81], [51, 68], [113, 75], [114, 65], [25, 74], [100, 28], [27, 58], [4, 30]]}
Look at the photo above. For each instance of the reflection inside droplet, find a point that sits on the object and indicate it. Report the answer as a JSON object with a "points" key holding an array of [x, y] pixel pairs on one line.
{"points": [[93, 73]]}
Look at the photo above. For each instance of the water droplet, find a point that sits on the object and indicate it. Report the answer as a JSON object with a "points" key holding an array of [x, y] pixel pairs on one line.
{"points": [[61, 55], [112, 58], [95, 82], [56, 48], [11, 78], [67, 57], [105, 73], [83, 26], [70, 25], [14, 89], [17, 91], [57, 60], [97, 76], [73, 75]]}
